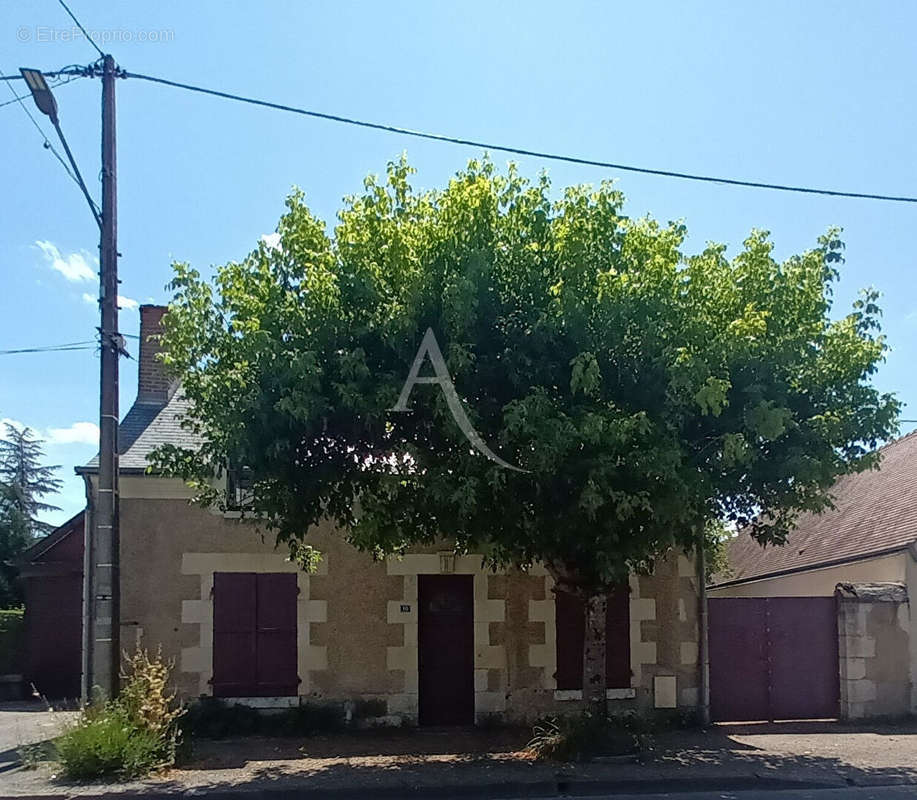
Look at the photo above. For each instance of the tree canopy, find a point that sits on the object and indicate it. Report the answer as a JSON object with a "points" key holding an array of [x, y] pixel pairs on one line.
{"points": [[23, 482], [643, 391]]}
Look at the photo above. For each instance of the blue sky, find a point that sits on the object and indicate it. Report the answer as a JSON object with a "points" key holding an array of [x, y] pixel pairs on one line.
{"points": [[815, 93]]}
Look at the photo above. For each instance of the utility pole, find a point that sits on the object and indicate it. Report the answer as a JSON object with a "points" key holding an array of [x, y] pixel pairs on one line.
{"points": [[101, 558], [703, 627], [104, 658]]}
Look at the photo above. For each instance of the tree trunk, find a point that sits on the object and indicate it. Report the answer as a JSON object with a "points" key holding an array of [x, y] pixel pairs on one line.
{"points": [[594, 677]]}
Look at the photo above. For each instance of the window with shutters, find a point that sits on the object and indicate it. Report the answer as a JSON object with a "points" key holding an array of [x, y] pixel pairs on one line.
{"points": [[254, 634], [240, 486], [570, 629]]}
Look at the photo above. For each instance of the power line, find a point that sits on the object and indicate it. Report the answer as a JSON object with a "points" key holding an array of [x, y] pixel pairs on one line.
{"points": [[523, 151], [74, 70], [54, 348], [47, 142], [74, 173], [54, 85], [80, 26]]}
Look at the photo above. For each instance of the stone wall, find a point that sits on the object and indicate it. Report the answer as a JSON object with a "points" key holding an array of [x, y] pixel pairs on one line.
{"points": [[357, 623], [874, 649]]}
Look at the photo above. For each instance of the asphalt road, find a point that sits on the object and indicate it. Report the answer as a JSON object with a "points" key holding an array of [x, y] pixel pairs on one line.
{"points": [[847, 793]]}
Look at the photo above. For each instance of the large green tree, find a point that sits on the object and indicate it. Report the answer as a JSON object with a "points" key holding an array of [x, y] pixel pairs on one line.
{"points": [[23, 484], [643, 392], [27, 481], [15, 538]]}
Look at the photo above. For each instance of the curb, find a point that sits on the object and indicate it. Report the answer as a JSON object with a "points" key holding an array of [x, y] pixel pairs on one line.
{"points": [[489, 791]]}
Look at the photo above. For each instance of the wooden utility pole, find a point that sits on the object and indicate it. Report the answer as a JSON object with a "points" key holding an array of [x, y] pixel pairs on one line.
{"points": [[104, 658]]}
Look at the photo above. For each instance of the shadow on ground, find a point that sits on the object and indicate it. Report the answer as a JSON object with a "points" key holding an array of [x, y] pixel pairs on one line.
{"points": [[491, 764]]}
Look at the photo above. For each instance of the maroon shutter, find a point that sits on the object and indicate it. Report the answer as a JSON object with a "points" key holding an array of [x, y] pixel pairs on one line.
{"points": [[570, 626], [276, 635], [234, 645], [617, 638], [254, 634]]}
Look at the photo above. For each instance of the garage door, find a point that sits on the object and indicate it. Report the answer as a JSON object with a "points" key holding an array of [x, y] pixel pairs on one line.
{"points": [[773, 658]]}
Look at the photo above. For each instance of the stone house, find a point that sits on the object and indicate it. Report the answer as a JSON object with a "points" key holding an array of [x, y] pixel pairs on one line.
{"points": [[433, 636]]}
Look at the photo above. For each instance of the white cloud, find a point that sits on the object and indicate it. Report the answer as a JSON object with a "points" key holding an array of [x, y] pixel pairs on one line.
{"points": [[75, 267], [272, 240], [124, 303], [77, 433]]}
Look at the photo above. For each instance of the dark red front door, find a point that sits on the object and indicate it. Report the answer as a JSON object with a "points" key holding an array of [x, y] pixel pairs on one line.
{"points": [[446, 649]]}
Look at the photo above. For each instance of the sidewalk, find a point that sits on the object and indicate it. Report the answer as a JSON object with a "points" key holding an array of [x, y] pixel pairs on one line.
{"points": [[389, 764]]}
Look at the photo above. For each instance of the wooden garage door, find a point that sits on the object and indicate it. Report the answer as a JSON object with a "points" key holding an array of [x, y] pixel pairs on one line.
{"points": [[773, 658], [254, 634]]}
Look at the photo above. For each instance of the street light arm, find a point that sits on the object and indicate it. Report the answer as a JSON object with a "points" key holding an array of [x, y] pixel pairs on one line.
{"points": [[76, 171]]}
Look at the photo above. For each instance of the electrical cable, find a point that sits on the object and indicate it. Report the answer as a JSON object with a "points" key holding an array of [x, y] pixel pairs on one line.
{"points": [[55, 85], [522, 151], [47, 142], [54, 348], [80, 26]]}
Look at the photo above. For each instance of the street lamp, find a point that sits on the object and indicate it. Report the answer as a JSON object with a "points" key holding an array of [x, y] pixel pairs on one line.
{"points": [[101, 582], [47, 105], [41, 92]]}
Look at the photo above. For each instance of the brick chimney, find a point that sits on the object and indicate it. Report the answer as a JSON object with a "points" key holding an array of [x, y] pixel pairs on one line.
{"points": [[153, 386]]}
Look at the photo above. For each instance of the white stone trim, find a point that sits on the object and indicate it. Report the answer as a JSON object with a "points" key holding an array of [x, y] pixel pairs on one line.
{"points": [[199, 611], [545, 655], [641, 608], [564, 695], [404, 657], [267, 702]]}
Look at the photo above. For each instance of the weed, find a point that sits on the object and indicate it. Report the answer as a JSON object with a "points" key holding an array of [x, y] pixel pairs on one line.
{"points": [[128, 737], [580, 737]]}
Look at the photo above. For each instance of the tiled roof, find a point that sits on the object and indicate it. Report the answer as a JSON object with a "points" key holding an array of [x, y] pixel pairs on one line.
{"points": [[875, 512], [147, 426]]}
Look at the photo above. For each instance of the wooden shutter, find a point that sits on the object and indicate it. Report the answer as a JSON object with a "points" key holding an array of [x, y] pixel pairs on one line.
{"points": [[276, 635], [617, 638], [254, 634], [570, 633], [570, 628], [234, 639]]}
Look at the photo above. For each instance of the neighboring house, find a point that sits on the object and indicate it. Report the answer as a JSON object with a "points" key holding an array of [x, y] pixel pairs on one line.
{"points": [[52, 577], [432, 635], [854, 567], [870, 535]]}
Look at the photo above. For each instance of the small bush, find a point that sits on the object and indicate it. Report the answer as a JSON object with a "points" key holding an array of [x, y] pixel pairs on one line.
{"points": [[578, 738], [369, 708], [212, 718], [104, 744], [307, 719], [128, 737]]}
